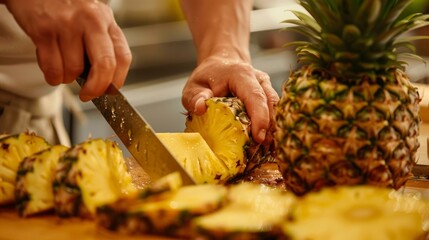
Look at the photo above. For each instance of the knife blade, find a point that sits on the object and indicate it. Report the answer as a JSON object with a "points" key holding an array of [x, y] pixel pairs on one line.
{"points": [[136, 134]]}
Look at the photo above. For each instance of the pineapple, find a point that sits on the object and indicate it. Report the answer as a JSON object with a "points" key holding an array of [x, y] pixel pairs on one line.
{"points": [[253, 211], [89, 175], [358, 212], [13, 149], [162, 213], [226, 128], [33, 189], [349, 115]]}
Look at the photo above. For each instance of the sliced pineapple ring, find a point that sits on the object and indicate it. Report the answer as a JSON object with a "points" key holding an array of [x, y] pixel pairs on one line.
{"points": [[13, 149], [89, 175], [360, 212], [225, 127], [166, 213], [196, 157], [254, 211], [33, 190]]}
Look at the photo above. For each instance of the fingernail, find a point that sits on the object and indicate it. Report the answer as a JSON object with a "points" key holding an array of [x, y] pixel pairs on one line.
{"points": [[262, 134], [197, 103]]}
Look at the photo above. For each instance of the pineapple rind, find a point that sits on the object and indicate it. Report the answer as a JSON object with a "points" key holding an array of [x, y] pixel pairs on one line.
{"points": [[89, 175], [357, 212], [33, 191], [13, 149]]}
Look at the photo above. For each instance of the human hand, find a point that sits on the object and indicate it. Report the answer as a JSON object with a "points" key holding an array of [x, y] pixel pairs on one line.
{"points": [[63, 30], [218, 76]]}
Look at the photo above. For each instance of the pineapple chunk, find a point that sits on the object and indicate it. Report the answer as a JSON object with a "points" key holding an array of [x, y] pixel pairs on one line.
{"points": [[33, 189], [89, 175], [254, 211], [359, 212], [196, 157], [13, 149], [166, 212], [225, 127]]}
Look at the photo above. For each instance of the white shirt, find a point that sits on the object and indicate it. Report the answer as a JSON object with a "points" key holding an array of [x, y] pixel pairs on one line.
{"points": [[19, 71]]}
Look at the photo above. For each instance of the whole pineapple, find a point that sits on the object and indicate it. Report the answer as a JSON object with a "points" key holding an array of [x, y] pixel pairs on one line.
{"points": [[349, 115]]}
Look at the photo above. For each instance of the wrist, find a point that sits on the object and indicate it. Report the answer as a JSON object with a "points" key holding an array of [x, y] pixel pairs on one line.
{"points": [[225, 51]]}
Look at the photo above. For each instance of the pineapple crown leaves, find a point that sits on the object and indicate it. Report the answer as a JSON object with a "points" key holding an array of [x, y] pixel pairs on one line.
{"points": [[351, 38]]}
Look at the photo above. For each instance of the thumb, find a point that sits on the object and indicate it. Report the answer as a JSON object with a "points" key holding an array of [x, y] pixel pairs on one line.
{"points": [[196, 103]]}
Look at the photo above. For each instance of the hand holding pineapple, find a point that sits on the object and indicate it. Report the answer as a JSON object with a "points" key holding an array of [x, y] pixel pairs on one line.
{"points": [[224, 67]]}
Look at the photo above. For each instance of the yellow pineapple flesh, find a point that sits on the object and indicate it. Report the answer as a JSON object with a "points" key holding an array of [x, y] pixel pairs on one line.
{"points": [[197, 158], [225, 127]]}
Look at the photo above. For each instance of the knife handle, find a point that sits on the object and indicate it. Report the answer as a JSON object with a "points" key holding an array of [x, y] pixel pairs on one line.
{"points": [[86, 68], [112, 89]]}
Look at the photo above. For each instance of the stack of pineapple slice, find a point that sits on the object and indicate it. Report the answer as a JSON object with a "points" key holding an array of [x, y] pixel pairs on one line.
{"points": [[205, 211], [38, 177], [256, 211]]}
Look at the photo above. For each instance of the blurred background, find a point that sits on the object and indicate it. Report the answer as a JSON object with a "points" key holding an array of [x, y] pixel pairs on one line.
{"points": [[164, 56]]}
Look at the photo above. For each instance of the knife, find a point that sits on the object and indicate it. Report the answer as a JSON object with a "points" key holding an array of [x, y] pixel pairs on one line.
{"points": [[135, 133]]}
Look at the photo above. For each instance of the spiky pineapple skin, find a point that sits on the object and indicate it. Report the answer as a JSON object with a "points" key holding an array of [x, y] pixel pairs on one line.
{"points": [[13, 149], [89, 175], [33, 189], [332, 131]]}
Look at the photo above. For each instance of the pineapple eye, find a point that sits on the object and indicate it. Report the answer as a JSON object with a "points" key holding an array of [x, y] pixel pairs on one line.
{"points": [[389, 134], [402, 114], [370, 113], [352, 130], [328, 112]]}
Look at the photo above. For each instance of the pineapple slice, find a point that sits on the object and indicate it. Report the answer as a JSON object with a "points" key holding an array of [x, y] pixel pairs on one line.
{"points": [[33, 189], [165, 213], [89, 175], [359, 212], [225, 127], [254, 211], [196, 157], [13, 149]]}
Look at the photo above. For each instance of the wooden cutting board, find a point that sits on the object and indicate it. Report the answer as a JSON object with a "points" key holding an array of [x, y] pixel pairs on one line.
{"points": [[51, 227]]}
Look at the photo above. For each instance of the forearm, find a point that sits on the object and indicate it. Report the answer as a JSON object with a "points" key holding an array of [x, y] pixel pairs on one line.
{"points": [[219, 27]]}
